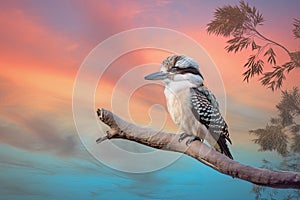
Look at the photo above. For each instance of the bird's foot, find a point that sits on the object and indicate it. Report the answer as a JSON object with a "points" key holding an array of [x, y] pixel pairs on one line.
{"points": [[192, 139], [183, 136]]}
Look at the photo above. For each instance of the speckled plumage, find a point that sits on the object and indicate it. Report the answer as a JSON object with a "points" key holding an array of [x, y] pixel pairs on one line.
{"points": [[191, 105]]}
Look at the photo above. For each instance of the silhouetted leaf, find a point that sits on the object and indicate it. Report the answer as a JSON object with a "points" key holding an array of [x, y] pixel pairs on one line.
{"points": [[258, 190], [234, 20], [289, 106], [288, 163], [240, 22], [273, 79], [238, 44], [271, 139], [295, 129], [254, 46], [275, 120], [295, 57], [228, 19], [271, 55], [295, 146], [296, 29], [253, 16], [255, 67], [291, 163]]}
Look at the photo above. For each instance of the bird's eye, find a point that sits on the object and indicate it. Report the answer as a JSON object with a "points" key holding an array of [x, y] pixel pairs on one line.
{"points": [[173, 69]]}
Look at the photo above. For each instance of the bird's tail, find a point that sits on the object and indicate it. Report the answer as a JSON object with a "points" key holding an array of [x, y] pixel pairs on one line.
{"points": [[222, 146]]}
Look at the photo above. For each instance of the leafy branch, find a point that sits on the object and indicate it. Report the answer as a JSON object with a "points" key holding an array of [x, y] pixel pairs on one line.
{"points": [[281, 135], [275, 135], [240, 23]]}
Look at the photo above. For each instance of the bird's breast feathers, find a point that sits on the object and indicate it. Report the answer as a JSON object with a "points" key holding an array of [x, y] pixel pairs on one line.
{"points": [[179, 107], [176, 101]]}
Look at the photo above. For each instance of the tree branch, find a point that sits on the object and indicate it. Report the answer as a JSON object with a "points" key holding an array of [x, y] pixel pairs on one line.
{"points": [[200, 151], [273, 42]]}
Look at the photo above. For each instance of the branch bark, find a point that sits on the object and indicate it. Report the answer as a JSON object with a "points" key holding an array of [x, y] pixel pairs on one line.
{"points": [[200, 151]]}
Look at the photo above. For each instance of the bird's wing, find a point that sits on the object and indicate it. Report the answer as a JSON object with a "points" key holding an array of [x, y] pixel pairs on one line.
{"points": [[208, 114]]}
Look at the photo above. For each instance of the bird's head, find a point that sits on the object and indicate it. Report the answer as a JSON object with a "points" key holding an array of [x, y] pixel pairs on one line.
{"points": [[178, 68]]}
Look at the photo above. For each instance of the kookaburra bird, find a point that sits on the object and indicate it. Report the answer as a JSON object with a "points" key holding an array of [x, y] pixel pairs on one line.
{"points": [[192, 106]]}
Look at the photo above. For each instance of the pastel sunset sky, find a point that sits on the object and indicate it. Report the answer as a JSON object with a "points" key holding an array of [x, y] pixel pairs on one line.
{"points": [[43, 46]]}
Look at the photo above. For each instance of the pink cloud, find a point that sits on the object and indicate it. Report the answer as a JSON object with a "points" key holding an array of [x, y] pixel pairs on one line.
{"points": [[22, 37]]}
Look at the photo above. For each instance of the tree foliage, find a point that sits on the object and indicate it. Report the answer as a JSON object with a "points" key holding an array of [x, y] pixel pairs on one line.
{"points": [[235, 20], [289, 106], [290, 163], [271, 138], [241, 24], [282, 135], [296, 29], [282, 129]]}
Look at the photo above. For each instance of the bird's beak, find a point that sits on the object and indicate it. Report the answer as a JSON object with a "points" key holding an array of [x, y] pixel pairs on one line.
{"points": [[156, 76]]}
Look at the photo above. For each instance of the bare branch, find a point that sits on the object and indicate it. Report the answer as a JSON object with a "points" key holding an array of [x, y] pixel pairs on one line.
{"points": [[197, 150]]}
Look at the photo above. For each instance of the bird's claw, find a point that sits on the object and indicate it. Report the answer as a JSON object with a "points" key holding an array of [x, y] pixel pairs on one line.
{"points": [[101, 139], [106, 137], [192, 139], [183, 136]]}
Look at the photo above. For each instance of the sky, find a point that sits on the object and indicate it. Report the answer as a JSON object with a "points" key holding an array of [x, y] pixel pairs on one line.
{"points": [[47, 143]]}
